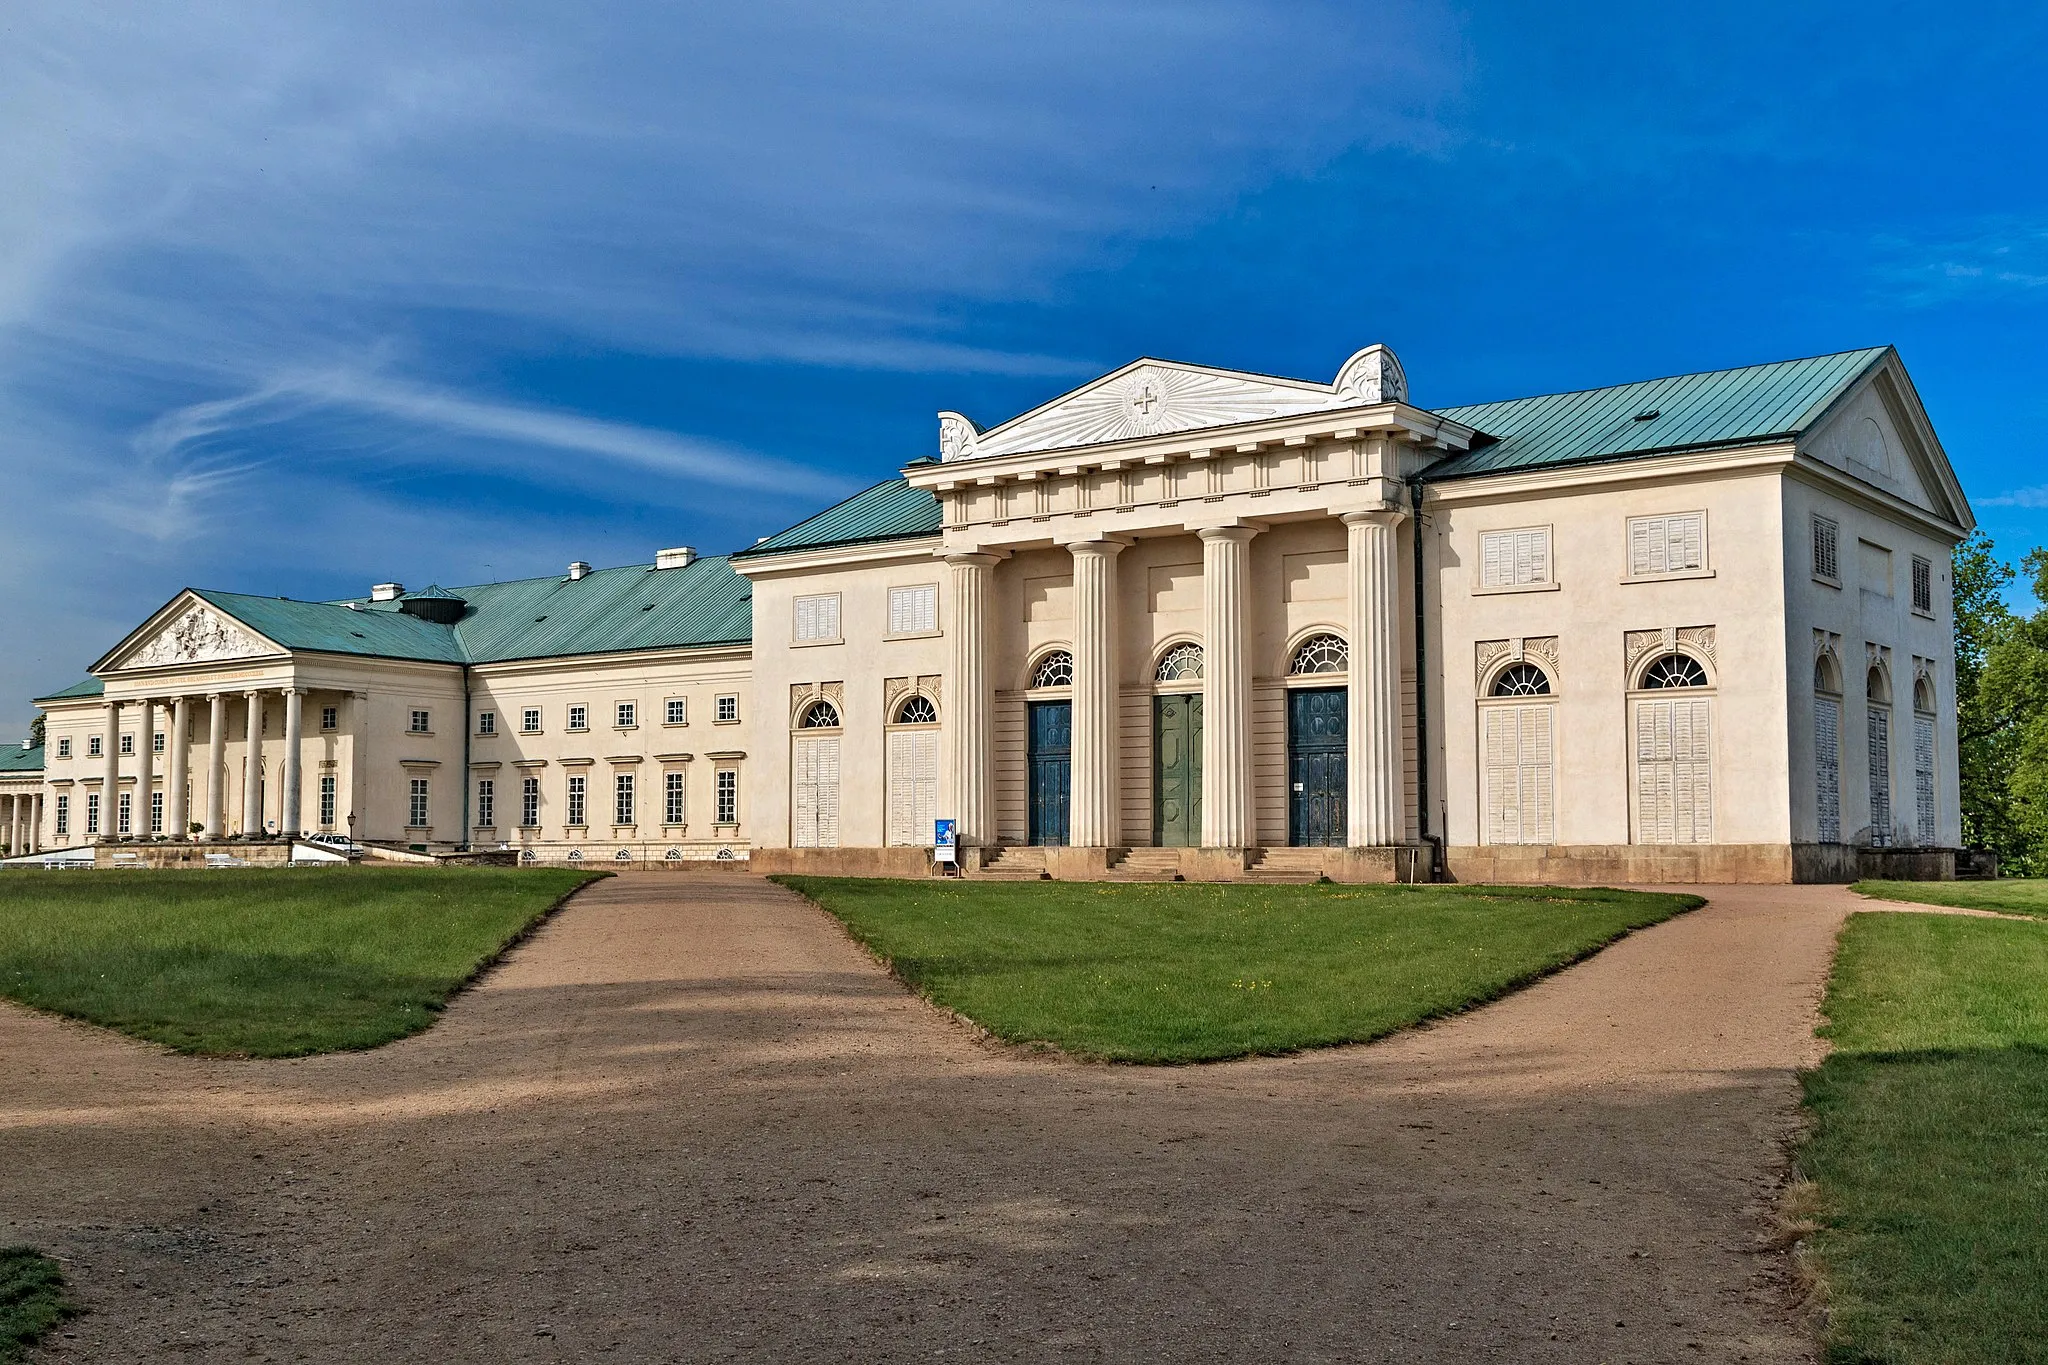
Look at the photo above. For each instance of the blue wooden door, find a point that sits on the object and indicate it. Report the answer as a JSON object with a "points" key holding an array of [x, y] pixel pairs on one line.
{"points": [[1316, 769], [1051, 760], [1177, 771]]}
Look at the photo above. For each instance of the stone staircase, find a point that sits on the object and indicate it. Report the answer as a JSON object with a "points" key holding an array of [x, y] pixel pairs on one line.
{"points": [[1147, 865], [1015, 863], [1286, 865]]}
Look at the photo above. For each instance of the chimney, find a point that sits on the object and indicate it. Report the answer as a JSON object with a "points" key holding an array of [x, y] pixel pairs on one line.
{"points": [[578, 571], [387, 592], [681, 557]]}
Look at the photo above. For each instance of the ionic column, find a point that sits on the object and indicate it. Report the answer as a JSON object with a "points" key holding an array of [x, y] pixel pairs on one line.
{"points": [[177, 812], [971, 790], [1374, 761], [1226, 690], [294, 719], [110, 786], [216, 765], [145, 769], [1093, 812], [252, 770]]}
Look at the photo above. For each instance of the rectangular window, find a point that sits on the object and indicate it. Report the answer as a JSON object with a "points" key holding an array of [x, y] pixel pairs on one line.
{"points": [[420, 724], [529, 721], [622, 799], [156, 742], [124, 820], [529, 802], [156, 812], [418, 812], [1675, 543], [672, 798], [817, 617], [1923, 777], [92, 812], [1520, 773], [678, 712], [1879, 734], [330, 717], [728, 707], [487, 722], [578, 786], [1827, 549], [627, 715], [579, 718], [1515, 559], [127, 744], [1674, 772], [1827, 769], [64, 815], [487, 802], [728, 796], [327, 801], [914, 611], [1923, 586], [64, 747], [94, 748]]}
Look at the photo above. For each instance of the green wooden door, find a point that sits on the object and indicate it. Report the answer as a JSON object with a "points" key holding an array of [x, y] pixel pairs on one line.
{"points": [[1177, 771]]}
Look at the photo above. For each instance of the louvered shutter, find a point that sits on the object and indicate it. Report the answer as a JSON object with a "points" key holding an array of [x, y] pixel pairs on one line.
{"points": [[1491, 549], [913, 787], [1827, 768], [913, 610], [1538, 763], [1880, 734], [1923, 777], [828, 792], [1674, 772], [1642, 550], [1503, 818], [1520, 774], [1688, 542]]}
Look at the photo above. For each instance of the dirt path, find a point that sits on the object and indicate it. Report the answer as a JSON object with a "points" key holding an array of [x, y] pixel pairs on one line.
{"points": [[690, 1121]]}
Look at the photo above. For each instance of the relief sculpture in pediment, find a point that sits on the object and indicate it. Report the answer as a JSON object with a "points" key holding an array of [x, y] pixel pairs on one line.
{"points": [[198, 635]]}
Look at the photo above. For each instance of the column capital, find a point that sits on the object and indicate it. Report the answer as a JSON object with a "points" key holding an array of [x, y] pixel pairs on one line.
{"points": [[291, 691], [974, 559], [1100, 546], [215, 696], [255, 692], [1238, 531], [1374, 516]]}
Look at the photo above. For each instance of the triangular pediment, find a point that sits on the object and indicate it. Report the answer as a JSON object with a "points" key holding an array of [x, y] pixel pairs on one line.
{"points": [[1878, 433], [188, 630], [1158, 397]]}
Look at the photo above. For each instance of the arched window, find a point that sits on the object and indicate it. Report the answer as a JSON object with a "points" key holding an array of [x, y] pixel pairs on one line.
{"points": [[1827, 677], [1674, 670], [1923, 696], [1522, 680], [917, 710], [1054, 670], [1321, 654], [1182, 662], [1877, 687], [822, 715]]}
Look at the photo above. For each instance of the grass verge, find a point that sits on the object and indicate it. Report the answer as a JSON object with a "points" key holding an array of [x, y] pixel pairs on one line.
{"points": [[1929, 1142], [1196, 973], [32, 1299], [263, 962], [2014, 896]]}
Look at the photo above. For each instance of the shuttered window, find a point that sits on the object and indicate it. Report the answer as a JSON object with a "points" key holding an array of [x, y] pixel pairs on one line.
{"points": [[1521, 773], [1923, 586], [913, 787], [1674, 772], [817, 616], [1923, 777], [1513, 559], [915, 610], [814, 792], [1827, 549], [1827, 769], [1880, 776], [1667, 544]]}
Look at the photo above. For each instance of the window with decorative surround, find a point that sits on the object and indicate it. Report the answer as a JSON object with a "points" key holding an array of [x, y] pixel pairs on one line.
{"points": [[1827, 550], [672, 798], [64, 747], [1670, 544], [420, 723], [327, 794], [529, 721], [622, 799], [1518, 558], [1320, 654], [914, 610], [626, 715], [1521, 680], [579, 718], [417, 811], [529, 802], [330, 717], [728, 708], [1054, 670], [820, 716], [579, 792], [1182, 663], [676, 711], [727, 788], [487, 803], [815, 618], [917, 710]]}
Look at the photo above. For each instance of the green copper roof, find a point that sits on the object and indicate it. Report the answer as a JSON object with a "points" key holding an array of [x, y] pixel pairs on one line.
{"points": [[15, 759], [891, 510], [90, 687], [608, 610], [1691, 412], [333, 628]]}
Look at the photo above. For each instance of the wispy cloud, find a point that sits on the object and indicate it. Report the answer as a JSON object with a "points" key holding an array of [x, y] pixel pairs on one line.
{"points": [[2035, 497], [1999, 257]]}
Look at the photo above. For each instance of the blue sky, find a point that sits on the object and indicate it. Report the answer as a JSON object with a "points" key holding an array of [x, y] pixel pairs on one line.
{"points": [[297, 297]]}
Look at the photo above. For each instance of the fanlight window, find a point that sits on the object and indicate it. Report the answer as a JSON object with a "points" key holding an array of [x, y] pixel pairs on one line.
{"points": [[1675, 670], [1923, 696], [917, 711], [1054, 670], [1180, 662], [1877, 688], [1522, 680], [822, 716], [1321, 654], [1826, 677]]}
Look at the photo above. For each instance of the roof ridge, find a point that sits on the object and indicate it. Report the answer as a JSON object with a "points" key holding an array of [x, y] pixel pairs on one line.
{"points": [[1666, 378]]}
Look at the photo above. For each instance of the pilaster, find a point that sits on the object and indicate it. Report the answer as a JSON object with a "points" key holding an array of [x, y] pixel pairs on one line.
{"points": [[1093, 810], [972, 775], [1227, 810], [1374, 761]]}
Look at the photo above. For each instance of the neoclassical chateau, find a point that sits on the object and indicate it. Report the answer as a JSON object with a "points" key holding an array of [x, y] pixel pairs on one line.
{"points": [[1179, 621]]}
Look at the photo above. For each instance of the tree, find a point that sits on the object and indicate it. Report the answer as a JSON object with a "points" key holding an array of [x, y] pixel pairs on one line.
{"points": [[36, 731], [2012, 699], [1986, 745]]}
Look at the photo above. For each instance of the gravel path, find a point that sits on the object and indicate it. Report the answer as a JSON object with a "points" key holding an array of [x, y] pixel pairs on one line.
{"points": [[690, 1121]]}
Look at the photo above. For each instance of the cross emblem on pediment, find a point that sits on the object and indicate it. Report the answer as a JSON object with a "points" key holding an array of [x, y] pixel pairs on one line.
{"points": [[1146, 399]]}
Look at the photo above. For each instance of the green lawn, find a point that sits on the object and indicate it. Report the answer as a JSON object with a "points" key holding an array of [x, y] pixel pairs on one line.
{"points": [[31, 1299], [2015, 896], [263, 962], [1930, 1142], [1191, 973]]}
